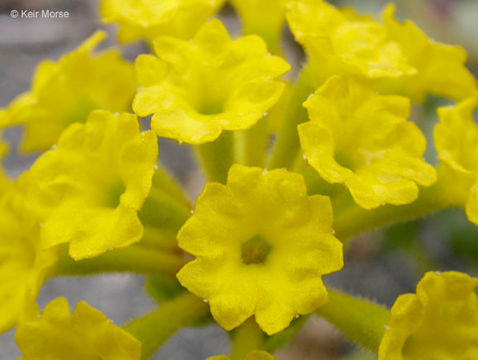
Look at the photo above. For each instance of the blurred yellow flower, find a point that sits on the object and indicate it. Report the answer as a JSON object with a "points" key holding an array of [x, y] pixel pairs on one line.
{"points": [[253, 355], [440, 68], [364, 140], [148, 19], [439, 322], [342, 42], [92, 184], [456, 141], [84, 334], [65, 92], [198, 89], [23, 265], [261, 247]]}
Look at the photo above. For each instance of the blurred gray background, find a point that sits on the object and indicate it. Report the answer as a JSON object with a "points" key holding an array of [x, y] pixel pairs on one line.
{"points": [[380, 265]]}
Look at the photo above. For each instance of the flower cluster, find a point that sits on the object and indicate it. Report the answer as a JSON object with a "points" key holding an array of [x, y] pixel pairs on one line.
{"points": [[294, 169]]}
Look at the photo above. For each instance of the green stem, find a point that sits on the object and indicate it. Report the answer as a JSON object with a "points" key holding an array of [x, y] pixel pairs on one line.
{"points": [[286, 148], [354, 220], [155, 328], [315, 184], [160, 239], [217, 157], [162, 210], [253, 144], [361, 320], [248, 337], [162, 181], [134, 259]]}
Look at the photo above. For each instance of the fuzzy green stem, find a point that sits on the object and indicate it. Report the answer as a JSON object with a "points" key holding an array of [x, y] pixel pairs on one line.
{"points": [[217, 157], [248, 337], [286, 148], [254, 144], [163, 181], [134, 259], [160, 239], [163, 210], [361, 320], [155, 328]]}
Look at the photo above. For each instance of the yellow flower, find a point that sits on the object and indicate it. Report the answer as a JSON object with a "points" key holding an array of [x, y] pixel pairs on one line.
{"points": [[84, 334], [198, 89], [148, 19], [398, 56], [364, 140], [90, 187], [456, 141], [440, 68], [439, 322], [23, 265], [261, 247], [65, 92], [342, 42], [253, 355]]}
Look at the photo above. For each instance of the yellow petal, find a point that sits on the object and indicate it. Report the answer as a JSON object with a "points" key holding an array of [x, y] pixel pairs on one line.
{"points": [[152, 18], [86, 333]]}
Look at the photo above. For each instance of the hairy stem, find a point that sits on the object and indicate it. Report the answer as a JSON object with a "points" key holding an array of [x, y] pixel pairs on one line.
{"points": [[253, 144], [217, 157], [163, 210], [134, 259], [155, 328], [362, 321], [353, 220], [248, 337], [286, 148]]}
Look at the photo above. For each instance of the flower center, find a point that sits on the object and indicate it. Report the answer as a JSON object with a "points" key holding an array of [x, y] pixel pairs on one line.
{"points": [[211, 107], [113, 194], [343, 160], [255, 250]]}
